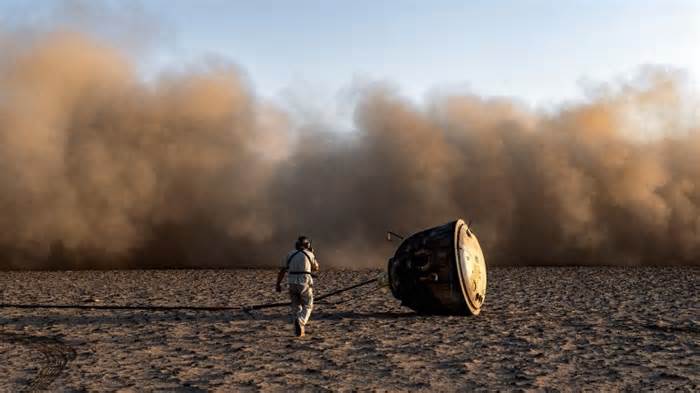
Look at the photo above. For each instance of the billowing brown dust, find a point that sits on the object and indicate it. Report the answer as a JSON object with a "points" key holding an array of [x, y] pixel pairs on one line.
{"points": [[99, 168]]}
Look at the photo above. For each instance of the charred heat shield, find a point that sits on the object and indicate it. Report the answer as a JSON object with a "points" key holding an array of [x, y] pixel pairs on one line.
{"points": [[440, 270]]}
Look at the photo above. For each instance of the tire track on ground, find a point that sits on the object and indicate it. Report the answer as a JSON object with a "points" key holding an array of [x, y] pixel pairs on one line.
{"points": [[56, 354]]}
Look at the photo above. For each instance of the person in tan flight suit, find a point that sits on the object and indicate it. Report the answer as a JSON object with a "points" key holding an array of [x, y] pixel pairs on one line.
{"points": [[299, 266]]}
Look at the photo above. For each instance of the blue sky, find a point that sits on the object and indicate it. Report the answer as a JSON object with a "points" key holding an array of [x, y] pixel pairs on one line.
{"points": [[538, 51]]}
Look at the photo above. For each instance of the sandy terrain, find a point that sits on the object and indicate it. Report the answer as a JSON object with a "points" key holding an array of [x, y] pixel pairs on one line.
{"points": [[561, 328]]}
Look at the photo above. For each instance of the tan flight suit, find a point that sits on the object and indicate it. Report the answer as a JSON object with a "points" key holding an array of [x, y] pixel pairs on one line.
{"points": [[299, 265]]}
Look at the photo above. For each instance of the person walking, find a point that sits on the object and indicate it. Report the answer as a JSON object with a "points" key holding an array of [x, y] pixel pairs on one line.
{"points": [[299, 266]]}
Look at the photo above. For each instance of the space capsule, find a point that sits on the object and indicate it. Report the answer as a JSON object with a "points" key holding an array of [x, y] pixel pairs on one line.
{"points": [[440, 270]]}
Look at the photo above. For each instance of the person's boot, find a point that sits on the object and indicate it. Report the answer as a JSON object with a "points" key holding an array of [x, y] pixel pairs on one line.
{"points": [[298, 328]]}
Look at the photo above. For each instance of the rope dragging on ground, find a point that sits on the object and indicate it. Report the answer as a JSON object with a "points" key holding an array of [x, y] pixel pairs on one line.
{"points": [[273, 305], [119, 307], [245, 309], [248, 309], [353, 298]]}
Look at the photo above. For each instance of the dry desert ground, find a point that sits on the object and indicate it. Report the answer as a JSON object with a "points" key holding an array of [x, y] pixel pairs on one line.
{"points": [[555, 329]]}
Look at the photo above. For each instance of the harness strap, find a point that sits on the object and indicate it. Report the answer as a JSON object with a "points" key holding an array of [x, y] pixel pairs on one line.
{"points": [[289, 260]]}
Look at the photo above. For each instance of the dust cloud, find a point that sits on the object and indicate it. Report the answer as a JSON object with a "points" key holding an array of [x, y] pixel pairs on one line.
{"points": [[100, 168]]}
